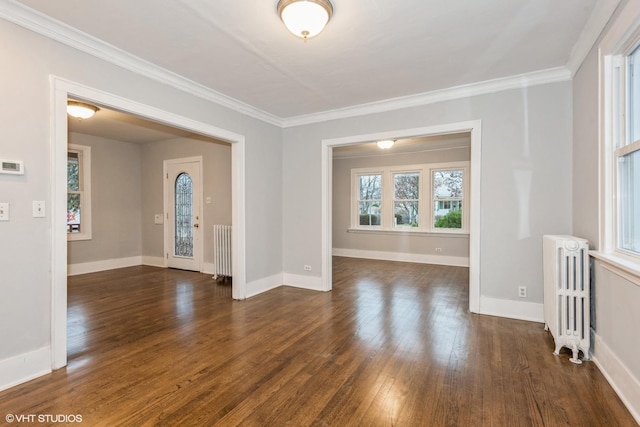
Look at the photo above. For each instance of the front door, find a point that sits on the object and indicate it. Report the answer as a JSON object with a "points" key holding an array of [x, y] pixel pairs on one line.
{"points": [[183, 194]]}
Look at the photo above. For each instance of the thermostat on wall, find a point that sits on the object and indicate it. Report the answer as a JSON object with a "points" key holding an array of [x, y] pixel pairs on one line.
{"points": [[15, 167]]}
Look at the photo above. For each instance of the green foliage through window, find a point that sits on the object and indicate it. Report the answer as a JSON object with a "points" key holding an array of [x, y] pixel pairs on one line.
{"points": [[451, 220]]}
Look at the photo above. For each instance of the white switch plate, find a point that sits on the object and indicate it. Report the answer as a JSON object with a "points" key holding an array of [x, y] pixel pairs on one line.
{"points": [[157, 219], [4, 211], [207, 200], [38, 209]]}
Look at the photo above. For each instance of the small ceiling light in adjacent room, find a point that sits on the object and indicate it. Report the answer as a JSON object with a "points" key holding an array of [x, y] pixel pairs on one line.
{"points": [[386, 144], [80, 110], [305, 18]]}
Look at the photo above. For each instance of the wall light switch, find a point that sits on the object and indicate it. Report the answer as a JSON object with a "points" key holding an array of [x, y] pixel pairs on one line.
{"points": [[157, 219], [38, 209], [4, 211]]}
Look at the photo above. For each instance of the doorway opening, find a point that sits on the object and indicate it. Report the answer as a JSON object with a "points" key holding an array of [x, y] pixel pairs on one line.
{"points": [[62, 91], [473, 129]]}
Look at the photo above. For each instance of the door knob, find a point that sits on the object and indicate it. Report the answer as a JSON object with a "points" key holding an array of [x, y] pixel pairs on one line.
{"points": [[196, 225]]}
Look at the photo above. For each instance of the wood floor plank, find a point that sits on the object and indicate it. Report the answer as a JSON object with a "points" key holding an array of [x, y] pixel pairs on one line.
{"points": [[391, 344]]}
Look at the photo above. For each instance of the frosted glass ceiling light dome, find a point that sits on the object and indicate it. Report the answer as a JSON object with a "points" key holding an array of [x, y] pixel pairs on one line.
{"points": [[305, 18], [386, 144], [80, 110]]}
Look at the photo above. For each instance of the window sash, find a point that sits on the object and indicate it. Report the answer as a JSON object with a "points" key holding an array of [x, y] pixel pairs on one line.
{"points": [[80, 230], [627, 209], [371, 215]]}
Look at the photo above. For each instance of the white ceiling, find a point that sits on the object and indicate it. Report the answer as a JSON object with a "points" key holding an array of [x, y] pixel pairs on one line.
{"points": [[372, 50], [406, 145], [125, 127]]}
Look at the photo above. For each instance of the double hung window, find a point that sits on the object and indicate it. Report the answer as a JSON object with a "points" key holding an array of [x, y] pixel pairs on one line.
{"points": [[417, 198], [78, 192], [620, 172]]}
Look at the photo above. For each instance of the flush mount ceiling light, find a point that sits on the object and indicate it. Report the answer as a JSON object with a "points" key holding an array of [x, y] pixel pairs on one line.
{"points": [[305, 18], [80, 110], [386, 144]]}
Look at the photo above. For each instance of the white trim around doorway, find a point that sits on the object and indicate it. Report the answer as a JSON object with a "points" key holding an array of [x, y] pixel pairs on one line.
{"points": [[473, 127], [61, 90]]}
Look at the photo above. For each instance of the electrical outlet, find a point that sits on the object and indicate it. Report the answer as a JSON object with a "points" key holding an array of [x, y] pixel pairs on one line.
{"points": [[438, 250], [307, 268], [4, 211], [522, 291]]}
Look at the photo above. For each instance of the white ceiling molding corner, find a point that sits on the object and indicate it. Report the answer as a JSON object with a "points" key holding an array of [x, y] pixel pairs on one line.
{"points": [[40, 23], [535, 78], [600, 16], [44, 25]]}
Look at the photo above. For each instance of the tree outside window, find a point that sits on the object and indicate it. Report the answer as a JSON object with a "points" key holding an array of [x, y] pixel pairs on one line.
{"points": [[396, 199], [370, 199], [74, 192], [78, 192], [447, 194], [406, 199]]}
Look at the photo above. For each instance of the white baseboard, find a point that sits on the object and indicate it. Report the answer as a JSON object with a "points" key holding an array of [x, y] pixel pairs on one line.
{"points": [[107, 264], [24, 367], [153, 261], [305, 282], [619, 377], [263, 285], [403, 257], [531, 311]]}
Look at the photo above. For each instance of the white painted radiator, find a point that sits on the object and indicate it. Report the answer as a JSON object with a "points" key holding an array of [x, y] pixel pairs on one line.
{"points": [[566, 293], [221, 251]]}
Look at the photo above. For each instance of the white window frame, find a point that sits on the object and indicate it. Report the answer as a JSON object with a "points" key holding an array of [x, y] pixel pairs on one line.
{"points": [[621, 38], [355, 194], [84, 158], [425, 205]]}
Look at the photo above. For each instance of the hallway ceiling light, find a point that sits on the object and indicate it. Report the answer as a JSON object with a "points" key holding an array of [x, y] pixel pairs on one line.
{"points": [[80, 110], [305, 18], [386, 144]]}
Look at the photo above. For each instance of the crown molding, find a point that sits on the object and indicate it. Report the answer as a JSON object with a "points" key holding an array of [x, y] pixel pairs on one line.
{"points": [[598, 20], [551, 75], [42, 24], [53, 29]]}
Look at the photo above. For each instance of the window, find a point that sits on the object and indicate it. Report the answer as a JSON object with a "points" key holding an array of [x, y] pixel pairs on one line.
{"points": [[183, 215], [78, 192], [620, 169], [447, 195], [398, 198], [369, 199], [627, 160], [406, 199]]}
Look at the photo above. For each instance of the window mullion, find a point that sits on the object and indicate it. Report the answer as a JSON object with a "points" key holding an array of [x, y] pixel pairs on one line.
{"points": [[386, 209]]}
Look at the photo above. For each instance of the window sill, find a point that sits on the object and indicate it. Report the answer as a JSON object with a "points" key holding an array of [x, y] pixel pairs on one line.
{"points": [[409, 232], [624, 267]]}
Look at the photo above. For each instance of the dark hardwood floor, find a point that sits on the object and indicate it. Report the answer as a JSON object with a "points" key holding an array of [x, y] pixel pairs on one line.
{"points": [[392, 344]]}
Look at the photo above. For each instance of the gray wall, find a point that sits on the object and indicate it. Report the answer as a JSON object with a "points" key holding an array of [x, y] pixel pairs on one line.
{"points": [[127, 190], [616, 298], [28, 61], [524, 132], [115, 201], [216, 165], [451, 246]]}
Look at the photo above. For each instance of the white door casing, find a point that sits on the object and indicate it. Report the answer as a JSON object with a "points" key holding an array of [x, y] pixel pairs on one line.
{"points": [[61, 90], [183, 242]]}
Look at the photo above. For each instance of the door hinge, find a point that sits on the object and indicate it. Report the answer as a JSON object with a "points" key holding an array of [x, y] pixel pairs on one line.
{"points": [[167, 175], [167, 255]]}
